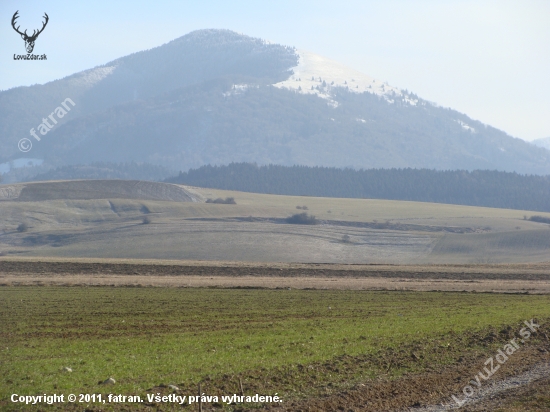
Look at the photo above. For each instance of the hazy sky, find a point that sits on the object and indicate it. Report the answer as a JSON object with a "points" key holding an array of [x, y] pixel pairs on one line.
{"points": [[488, 59]]}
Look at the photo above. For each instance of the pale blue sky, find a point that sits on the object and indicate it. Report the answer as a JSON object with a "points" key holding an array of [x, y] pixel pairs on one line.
{"points": [[488, 59]]}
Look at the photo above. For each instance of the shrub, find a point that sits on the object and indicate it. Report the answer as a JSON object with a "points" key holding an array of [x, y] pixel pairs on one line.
{"points": [[346, 239], [146, 220], [219, 200], [540, 219], [302, 219], [23, 227]]}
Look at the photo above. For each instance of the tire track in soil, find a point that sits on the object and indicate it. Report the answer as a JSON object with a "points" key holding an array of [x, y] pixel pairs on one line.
{"points": [[430, 391], [485, 395]]}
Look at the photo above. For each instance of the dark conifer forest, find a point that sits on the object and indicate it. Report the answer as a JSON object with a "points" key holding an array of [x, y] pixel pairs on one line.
{"points": [[475, 188]]}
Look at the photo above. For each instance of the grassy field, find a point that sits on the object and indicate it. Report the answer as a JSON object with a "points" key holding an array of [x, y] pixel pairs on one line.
{"points": [[367, 209], [295, 343], [254, 230]]}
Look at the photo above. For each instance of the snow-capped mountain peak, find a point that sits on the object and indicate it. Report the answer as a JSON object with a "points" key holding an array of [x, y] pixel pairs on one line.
{"points": [[317, 75]]}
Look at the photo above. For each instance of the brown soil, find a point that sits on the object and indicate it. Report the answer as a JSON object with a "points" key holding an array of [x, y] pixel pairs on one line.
{"points": [[342, 283], [408, 392], [432, 388], [526, 278], [534, 397], [535, 271]]}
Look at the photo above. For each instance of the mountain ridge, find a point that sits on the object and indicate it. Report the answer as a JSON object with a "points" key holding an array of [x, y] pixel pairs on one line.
{"points": [[542, 142], [222, 97], [139, 76]]}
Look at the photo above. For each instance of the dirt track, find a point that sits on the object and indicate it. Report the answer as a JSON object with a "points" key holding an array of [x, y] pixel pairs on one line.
{"points": [[484, 396], [347, 283], [480, 278], [432, 391]]}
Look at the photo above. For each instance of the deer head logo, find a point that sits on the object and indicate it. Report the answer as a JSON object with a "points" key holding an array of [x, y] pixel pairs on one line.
{"points": [[29, 40]]}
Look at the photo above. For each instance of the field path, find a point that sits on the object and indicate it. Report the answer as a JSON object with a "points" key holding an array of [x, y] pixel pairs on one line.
{"points": [[525, 374], [485, 395], [279, 282], [522, 278]]}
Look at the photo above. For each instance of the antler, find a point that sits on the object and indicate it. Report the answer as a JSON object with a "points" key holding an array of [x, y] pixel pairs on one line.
{"points": [[43, 25], [13, 21], [34, 33]]}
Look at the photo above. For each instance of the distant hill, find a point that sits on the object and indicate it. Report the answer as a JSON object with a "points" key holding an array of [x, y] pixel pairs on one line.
{"points": [[477, 188], [97, 189], [216, 97], [103, 170]]}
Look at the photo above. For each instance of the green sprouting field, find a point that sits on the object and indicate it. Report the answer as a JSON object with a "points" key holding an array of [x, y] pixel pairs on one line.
{"points": [[147, 337]]}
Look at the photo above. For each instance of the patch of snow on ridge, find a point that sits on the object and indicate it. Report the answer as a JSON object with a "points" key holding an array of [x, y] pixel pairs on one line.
{"points": [[89, 78], [318, 75], [412, 102], [466, 126], [239, 89]]}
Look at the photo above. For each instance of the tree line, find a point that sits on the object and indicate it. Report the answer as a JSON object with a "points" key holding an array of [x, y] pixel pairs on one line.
{"points": [[473, 188]]}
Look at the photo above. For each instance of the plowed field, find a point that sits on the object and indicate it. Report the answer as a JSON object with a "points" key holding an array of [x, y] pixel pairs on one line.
{"points": [[320, 350]]}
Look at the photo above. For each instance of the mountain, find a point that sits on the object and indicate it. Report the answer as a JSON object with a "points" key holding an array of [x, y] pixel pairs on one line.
{"points": [[543, 142], [216, 97], [192, 59]]}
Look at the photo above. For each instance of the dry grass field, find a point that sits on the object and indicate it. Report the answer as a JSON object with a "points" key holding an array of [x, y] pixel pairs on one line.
{"points": [[96, 223]]}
